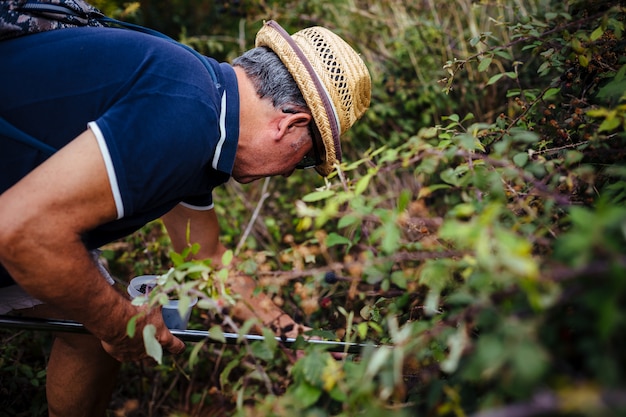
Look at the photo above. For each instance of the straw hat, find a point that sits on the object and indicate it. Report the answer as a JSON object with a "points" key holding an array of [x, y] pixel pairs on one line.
{"points": [[331, 76]]}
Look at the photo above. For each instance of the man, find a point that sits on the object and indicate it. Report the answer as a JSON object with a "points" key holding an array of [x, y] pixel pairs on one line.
{"points": [[143, 131]]}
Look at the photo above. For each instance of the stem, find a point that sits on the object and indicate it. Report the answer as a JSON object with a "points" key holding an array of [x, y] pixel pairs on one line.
{"points": [[255, 214]]}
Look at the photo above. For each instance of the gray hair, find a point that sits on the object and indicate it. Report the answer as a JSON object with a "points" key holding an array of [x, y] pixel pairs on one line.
{"points": [[271, 79]]}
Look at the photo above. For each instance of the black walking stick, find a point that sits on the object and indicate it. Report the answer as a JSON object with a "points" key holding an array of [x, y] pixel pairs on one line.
{"points": [[53, 325]]}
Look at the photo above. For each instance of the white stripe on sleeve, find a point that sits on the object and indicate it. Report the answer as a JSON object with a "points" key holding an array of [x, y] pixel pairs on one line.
{"points": [[197, 208], [218, 150], [104, 150]]}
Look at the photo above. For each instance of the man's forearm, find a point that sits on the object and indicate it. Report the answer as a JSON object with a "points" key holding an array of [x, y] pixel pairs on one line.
{"points": [[260, 306], [69, 280], [204, 230]]}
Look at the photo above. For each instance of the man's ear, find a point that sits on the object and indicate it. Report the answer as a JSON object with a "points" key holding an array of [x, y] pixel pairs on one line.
{"points": [[289, 121]]}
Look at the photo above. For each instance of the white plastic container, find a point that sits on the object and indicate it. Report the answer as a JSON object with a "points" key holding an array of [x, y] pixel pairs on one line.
{"points": [[171, 316]]}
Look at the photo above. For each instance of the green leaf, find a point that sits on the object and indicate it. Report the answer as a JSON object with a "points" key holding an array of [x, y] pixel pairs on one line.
{"points": [[391, 237], [338, 395], [153, 347], [261, 350], [450, 176], [195, 248], [597, 34], [467, 141], [399, 279], [573, 157], [217, 334], [431, 303], [27, 371], [226, 372], [245, 328], [222, 274], [468, 116], [488, 357], [529, 360], [544, 68], [403, 200], [577, 46], [523, 135], [550, 92], [227, 257], [426, 191], [333, 239], [583, 60], [176, 258], [306, 394], [610, 123], [612, 90], [503, 54], [184, 304], [484, 64], [362, 184], [435, 274], [193, 356], [361, 330], [378, 361], [347, 220], [312, 369], [428, 165], [601, 112], [520, 159], [494, 79], [551, 16], [318, 195], [457, 343], [131, 326], [462, 211], [270, 340]]}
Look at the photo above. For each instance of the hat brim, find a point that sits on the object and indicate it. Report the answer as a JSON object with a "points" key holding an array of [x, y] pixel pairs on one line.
{"points": [[273, 36]]}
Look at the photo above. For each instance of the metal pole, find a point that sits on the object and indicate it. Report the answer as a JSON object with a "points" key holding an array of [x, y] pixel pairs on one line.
{"points": [[66, 326]]}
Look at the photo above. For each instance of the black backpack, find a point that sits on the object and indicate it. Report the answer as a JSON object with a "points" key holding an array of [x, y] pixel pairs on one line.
{"points": [[24, 17]]}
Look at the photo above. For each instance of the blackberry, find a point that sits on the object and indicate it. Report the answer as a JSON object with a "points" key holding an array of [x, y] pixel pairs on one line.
{"points": [[330, 277], [145, 288]]}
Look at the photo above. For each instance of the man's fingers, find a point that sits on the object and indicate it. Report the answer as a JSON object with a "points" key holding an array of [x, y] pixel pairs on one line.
{"points": [[175, 346]]}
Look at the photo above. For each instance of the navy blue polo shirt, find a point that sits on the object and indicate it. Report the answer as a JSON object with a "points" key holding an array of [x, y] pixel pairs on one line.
{"points": [[167, 132]]}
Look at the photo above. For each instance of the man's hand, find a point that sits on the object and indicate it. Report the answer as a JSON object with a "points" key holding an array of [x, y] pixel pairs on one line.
{"points": [[128, 349]]}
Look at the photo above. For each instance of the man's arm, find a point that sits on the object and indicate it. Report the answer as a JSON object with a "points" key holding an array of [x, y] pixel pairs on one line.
{"points": [[42, 219], [204, 230]]}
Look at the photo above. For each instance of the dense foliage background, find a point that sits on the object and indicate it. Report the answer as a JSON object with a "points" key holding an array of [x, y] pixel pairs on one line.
{"points": [[477, 225]]}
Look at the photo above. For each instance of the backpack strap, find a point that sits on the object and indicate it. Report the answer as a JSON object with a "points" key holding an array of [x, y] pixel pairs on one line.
{"points": [[78, 14], [25, 17], [108, 21], [12, 132]]}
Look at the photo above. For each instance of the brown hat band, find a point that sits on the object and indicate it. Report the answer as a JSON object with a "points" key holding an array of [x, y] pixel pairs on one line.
{"points": [[321, 90]]}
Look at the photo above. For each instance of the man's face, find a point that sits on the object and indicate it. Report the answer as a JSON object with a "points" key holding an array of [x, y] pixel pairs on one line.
{"points": [[267, 157]]}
